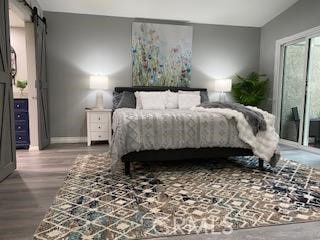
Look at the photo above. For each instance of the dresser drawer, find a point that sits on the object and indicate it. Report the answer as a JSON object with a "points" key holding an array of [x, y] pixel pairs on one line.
{"points": [[99, 127], [21, 115], [98, 136], [22, 137], [98, 117], [21, 104], [22, 126]]}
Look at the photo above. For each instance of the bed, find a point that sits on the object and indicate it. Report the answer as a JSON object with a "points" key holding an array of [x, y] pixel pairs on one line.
{"points": [[173, 134]]}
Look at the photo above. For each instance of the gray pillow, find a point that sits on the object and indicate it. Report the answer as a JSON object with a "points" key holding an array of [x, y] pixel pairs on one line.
{"points": [[116, 99], [204, 96], [128, 100]]}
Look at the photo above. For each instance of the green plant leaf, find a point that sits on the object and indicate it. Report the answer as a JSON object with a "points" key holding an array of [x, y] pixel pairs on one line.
{"points": [[22, 84], [250, 90]]}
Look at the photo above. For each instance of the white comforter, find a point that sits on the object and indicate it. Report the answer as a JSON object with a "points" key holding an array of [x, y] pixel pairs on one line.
{"points": [[137, 130]]}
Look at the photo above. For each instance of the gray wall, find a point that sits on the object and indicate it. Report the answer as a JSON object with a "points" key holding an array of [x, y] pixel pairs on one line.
{"points": [[303, 15], [81, 45]]}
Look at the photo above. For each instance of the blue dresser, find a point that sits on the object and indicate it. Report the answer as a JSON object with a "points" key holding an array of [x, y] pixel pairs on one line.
{"points": [[21, 115]]}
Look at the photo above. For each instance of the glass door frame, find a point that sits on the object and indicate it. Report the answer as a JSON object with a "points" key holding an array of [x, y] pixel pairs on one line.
{"points": [[278, 84]]}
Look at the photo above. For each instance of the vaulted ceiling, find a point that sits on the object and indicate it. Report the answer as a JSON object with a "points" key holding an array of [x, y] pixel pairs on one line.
{"points": [[253, 13]]}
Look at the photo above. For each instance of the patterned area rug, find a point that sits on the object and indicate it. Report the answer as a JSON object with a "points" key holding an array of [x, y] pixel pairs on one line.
{"points": [[179, 198]]}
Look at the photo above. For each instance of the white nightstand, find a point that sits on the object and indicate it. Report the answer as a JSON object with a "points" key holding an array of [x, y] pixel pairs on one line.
{"points": [[98, 125]]}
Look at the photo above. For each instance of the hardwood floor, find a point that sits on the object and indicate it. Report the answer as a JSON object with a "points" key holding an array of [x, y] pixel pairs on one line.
{"points": [[26, 195]]}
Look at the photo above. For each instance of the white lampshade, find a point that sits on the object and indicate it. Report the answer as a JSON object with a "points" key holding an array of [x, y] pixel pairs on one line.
{"points": [[223, 85], [99, 82]]}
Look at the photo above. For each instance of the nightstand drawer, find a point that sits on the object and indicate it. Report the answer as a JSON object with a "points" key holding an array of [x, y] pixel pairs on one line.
{"points": [[98, 117], [98, 127], [98, 136]]}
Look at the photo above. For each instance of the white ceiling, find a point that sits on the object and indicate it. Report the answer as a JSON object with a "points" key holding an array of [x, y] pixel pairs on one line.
{"points": [[15, 20], [253, 13]]}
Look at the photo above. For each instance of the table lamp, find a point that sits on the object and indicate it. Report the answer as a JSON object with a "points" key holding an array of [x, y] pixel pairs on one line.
{"points": [[99, 83], [222, 86]]}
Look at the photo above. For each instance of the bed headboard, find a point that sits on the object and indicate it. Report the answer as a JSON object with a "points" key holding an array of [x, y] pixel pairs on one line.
{"points": [[157, 88]]}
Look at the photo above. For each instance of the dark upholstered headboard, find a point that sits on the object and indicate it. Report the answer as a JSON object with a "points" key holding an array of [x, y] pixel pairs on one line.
{"points": [[157, 88]]}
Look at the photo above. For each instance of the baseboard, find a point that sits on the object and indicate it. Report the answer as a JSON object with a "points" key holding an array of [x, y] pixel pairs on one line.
{"points": [[33, 148], [68, 139]]}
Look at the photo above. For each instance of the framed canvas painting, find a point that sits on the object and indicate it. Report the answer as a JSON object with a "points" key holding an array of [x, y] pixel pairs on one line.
{"points": [[161, 54]]}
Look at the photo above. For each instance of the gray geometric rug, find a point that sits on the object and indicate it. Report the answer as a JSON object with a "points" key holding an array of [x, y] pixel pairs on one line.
{"points": [[177, 198]]}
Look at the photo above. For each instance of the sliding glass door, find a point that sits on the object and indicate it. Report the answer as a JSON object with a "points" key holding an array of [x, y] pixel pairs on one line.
{"points": [[293, 91], [300, 101], [311, 136]]}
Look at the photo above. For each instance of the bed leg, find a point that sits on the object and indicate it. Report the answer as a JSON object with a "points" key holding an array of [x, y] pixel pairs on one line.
{"points": [[260, 164], [127, 168]]}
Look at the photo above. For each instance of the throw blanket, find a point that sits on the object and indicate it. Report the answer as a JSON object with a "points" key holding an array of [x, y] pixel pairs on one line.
{"points": [[254, 118], [264, 144]]}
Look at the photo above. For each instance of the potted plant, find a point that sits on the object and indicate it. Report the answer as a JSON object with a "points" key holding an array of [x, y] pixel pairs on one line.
{"points": [[250, 90], [21, 85]]}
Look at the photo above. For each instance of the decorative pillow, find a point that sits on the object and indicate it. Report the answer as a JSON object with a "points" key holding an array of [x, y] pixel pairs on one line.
{"points": [[203, 94], [128, 100], [138, 100], [189, 92], [153, 100], [187, 101], [116, 99], [172, 101]]}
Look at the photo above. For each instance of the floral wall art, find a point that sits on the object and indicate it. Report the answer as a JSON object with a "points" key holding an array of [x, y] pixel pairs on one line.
{"points": [[161, 54]]}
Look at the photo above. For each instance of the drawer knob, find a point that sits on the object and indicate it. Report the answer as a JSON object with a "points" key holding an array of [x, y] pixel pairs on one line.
{"points": [[18, 115], [99, 127], [99, 118], [19, 138], [18, 105], [19, 127]]}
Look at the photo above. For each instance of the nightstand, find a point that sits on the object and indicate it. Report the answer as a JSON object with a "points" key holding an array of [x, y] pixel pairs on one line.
{"points": [[98, 125]]}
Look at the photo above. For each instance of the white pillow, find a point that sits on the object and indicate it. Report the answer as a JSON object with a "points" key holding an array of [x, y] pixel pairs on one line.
{"points": [[138, 100], [172, 100], [189, 92], [187, 101], [153, 100]]}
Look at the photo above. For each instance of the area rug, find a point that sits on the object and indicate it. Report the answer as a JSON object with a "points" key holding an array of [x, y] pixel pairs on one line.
{"points": [[177, 198]]}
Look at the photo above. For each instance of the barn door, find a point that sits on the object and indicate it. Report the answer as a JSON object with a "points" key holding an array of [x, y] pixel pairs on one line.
{"points": [[41, 83], [7, 139]]}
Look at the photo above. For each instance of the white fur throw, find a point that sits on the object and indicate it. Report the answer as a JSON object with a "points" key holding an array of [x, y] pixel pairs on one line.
{"points": [[264, 144]]}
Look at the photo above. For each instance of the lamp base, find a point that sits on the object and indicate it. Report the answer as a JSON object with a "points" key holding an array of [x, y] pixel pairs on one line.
{"points": [[99, 101]]}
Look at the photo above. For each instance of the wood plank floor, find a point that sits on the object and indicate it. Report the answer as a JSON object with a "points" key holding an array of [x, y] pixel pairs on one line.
{"points": [[26, 195]]}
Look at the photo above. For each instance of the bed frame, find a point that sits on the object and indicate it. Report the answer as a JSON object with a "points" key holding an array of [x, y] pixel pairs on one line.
{"points": [[178, 154]]}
